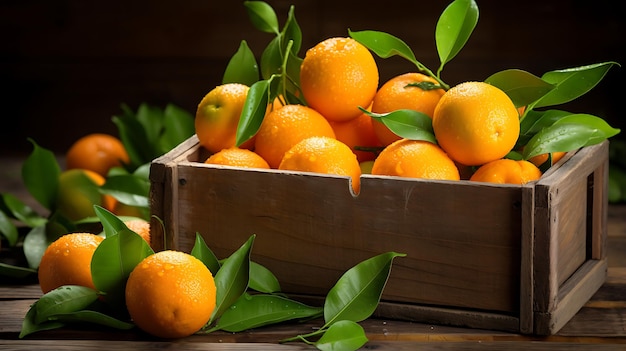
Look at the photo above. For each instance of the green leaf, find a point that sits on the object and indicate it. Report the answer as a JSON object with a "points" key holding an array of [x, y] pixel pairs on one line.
{"points": [[271, 58], [569, 133], [128, 189], [253, 311], [409, 124], [23, 212], [29, 325], [139, 147], [35, 244], [178, 126], [202, 252], [111, 224], [67, 298], [522, 87], [8, 229], [40, 173], [242, 67], [572, 83], [535, 121], [344, 335], [114, 259], [231, 281], [262, 16], [356, 294], [262, 279], [384, 45], [454, 27], [253, 111], [94, 317], [8, 270], [151, 120], [292, 32]]}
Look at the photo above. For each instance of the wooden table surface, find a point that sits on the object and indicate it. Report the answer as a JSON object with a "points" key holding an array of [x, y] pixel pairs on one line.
{"points": [[599, 325]]}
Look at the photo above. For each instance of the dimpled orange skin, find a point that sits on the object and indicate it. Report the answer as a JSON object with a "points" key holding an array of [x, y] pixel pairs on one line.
{"points": [[170, 294], [415, 159], [505, 171], [323, 155], [337, 76], [67, 261], [397, 94], [282, 128], [475, 123]]}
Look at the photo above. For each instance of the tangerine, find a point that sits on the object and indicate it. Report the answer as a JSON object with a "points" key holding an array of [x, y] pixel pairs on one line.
{"points": [[282, 128], [97, 152], [170, 294], [412, 91], [415, 159], [67, 261], [323, 155], [337, 76], [507, 171], [475, 123]]}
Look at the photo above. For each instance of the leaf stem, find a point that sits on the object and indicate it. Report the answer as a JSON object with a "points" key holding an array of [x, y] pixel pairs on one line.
{"points": [[302, 337]]}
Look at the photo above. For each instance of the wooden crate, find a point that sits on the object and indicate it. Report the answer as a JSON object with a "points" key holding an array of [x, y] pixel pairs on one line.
{"points": [[501, 257]]}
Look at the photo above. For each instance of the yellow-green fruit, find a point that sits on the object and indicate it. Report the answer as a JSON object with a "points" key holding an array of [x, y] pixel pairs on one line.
{"points": [[77, 193]]}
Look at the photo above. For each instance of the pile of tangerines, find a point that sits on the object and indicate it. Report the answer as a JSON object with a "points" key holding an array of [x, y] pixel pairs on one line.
{"points": [[476, 124]]}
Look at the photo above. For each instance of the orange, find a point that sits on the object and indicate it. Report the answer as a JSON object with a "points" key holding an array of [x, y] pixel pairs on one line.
{"points": [[337, 76], [97, 152], [283, 128], [415, 159], [77, 192], [398, 94], [237, 157], [475, 123], [67, 261], [140, 227], [358, 132], [507, 171], [323, 155], [217, 116], [170, 294], [541, 159]]}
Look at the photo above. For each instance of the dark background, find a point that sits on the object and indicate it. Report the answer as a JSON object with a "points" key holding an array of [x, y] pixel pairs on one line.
{"points": [[67, 66]]}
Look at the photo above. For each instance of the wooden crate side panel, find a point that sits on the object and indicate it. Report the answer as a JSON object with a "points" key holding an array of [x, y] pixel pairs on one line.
{"points": [[578, 189], [526, 313], [164, 194], [310, 229]]}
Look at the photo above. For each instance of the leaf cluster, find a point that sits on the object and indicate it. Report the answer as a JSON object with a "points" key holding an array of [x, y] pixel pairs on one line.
{"points": [[147, 133], [248, 295]]}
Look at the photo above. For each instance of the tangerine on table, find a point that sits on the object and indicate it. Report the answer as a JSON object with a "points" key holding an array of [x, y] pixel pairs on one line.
{"points": [[97, 152], [170, 294], [400, 92], [282, 128], [323, 155], [337, 76], [237, 157], [358, 132], [217, 116], [507, 171], [67, 261], [475, 123], [415, 159]]}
